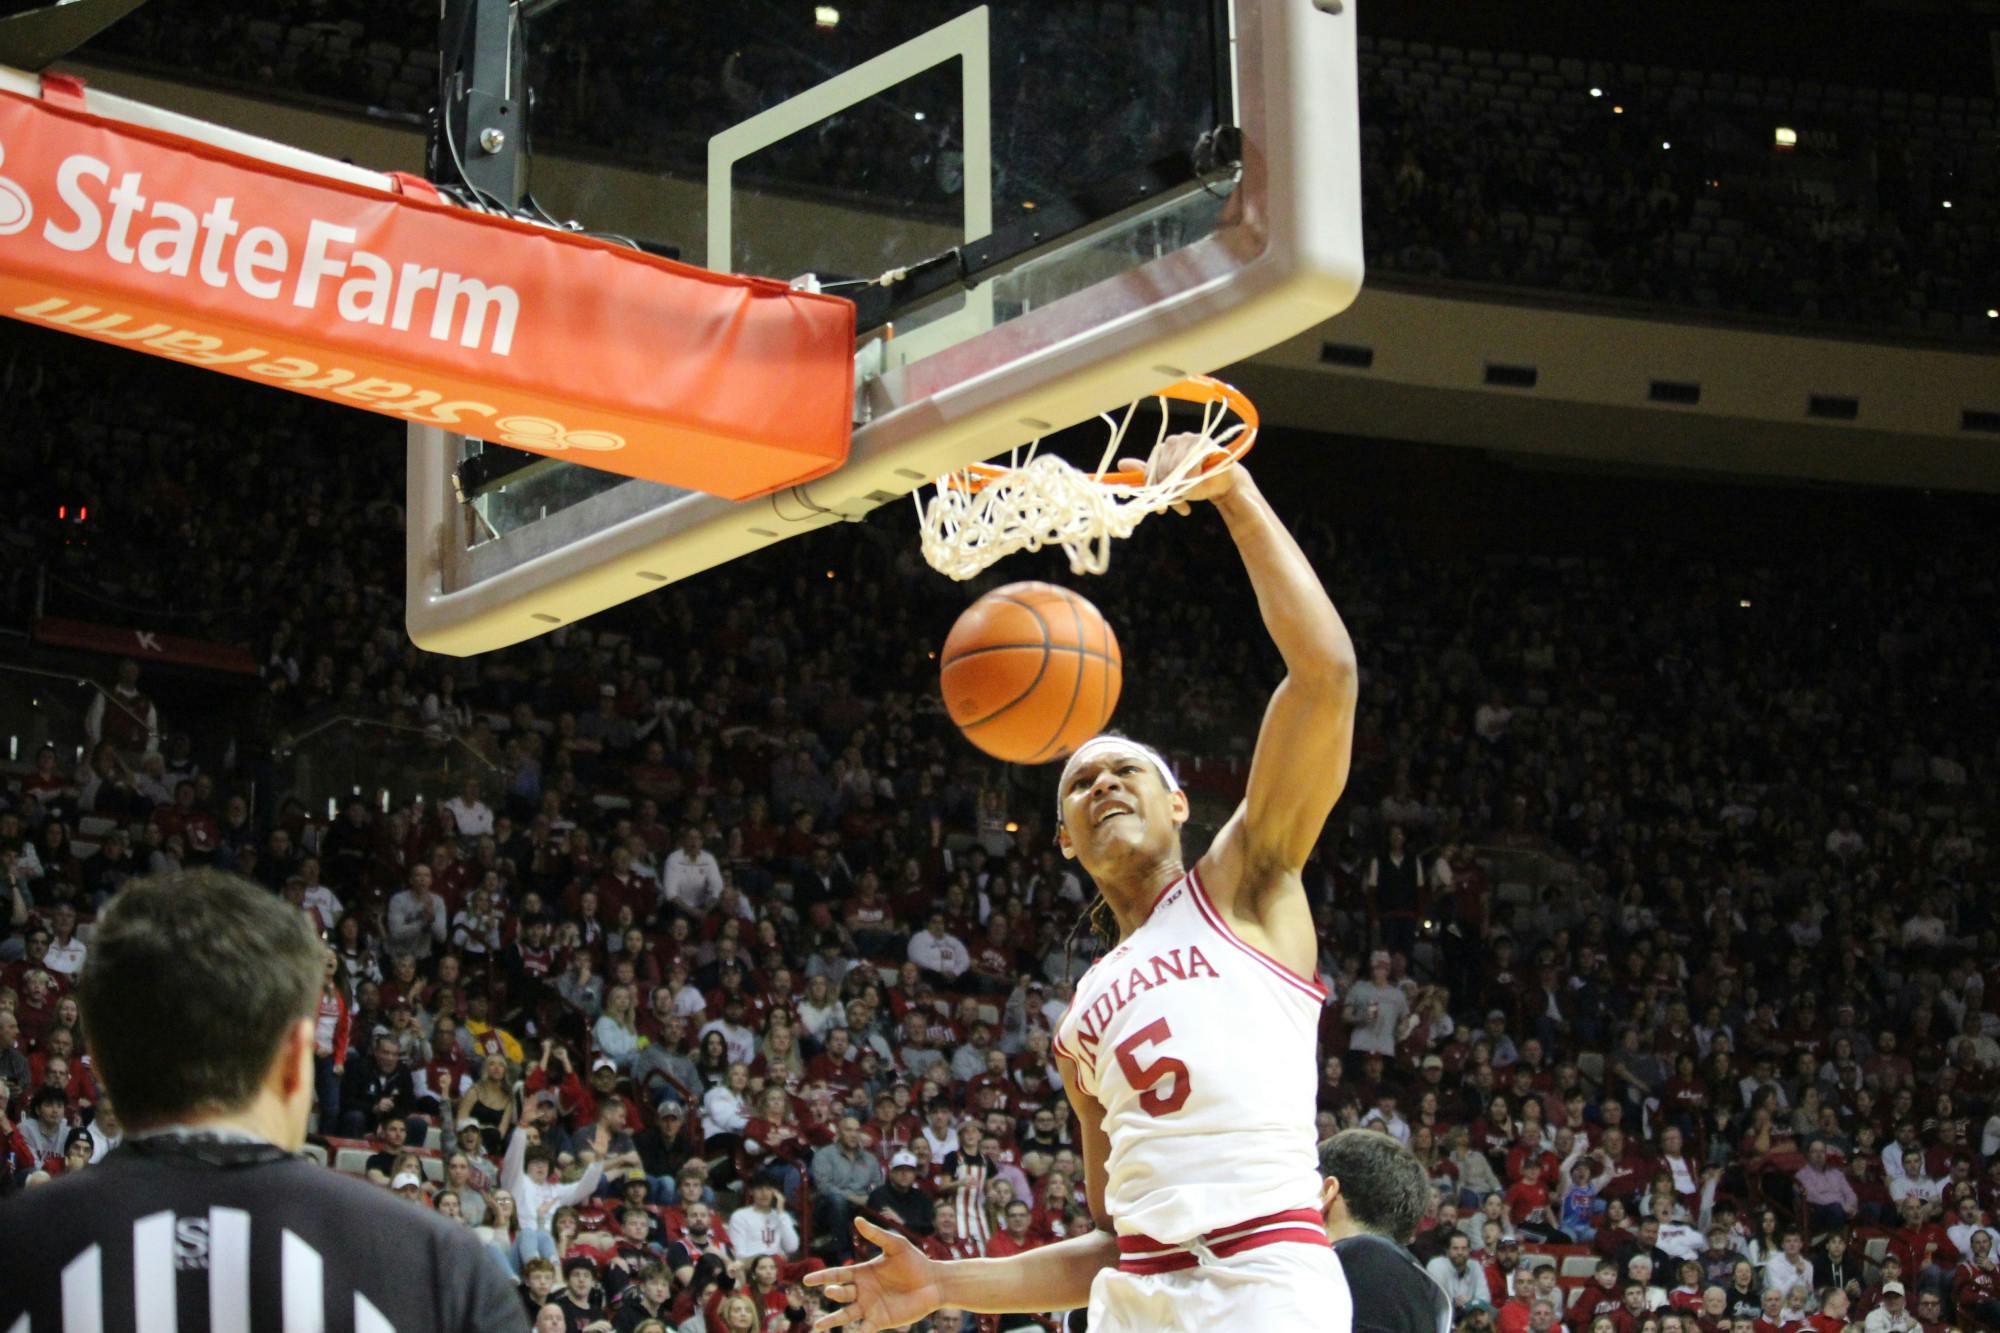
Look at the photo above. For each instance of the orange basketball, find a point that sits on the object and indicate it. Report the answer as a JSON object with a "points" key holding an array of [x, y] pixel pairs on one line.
{"points": [[1030, 672]]}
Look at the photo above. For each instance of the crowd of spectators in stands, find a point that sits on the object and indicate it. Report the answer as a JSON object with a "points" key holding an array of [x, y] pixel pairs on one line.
{"points": [[1658, 916], [1530, 170]]}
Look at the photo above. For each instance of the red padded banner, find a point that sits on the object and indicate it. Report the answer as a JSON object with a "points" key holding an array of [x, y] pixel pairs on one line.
{"points": [[547, 341]]}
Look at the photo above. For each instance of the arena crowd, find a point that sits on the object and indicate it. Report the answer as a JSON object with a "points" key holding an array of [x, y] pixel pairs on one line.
{"points": [[1658, 914]]}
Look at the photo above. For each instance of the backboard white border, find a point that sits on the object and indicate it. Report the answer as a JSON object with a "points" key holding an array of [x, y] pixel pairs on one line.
{"points": [[965, 39], [1286, 256]]}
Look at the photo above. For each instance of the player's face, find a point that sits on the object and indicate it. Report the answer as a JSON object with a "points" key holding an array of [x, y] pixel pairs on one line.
{"points": [[1117, 809]]}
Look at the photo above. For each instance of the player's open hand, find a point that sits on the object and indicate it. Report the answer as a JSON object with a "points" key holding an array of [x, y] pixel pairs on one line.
{"points": [[1219, 480], [894, 1289]]}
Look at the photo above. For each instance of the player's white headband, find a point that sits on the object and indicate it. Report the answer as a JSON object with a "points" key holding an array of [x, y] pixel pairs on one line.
{"points": [[1152, 756]]}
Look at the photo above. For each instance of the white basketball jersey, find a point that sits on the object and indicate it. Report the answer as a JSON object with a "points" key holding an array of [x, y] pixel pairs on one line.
{"points": [[1201, 1050]]}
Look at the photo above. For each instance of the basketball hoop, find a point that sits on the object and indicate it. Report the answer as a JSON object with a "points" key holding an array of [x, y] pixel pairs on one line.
{"points": [[988, 511]]}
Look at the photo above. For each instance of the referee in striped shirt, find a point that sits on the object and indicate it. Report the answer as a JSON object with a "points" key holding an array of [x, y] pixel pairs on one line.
{"points": [[1375, 1192], [199, 1001]]}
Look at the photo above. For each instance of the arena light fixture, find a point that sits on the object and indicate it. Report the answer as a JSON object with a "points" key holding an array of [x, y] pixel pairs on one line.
{"points": [[1993, 314], [1785, 138], [1666, 143], [826, 16], [1947, 203], [1597, 92], [1617, 110]]}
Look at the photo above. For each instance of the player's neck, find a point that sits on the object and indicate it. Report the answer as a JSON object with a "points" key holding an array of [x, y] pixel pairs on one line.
{"points": [[1132, 901]]}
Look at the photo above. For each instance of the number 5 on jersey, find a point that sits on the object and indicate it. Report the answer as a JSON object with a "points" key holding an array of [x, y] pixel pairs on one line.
{"points": [[1143, 1077]]}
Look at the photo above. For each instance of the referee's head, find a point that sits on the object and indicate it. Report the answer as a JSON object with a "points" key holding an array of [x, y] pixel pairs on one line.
{"points": [[1372, 1184], [199, 998]]}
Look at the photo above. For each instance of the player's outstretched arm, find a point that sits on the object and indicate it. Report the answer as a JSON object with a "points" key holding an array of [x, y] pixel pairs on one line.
{"points": [[902, 1284]]}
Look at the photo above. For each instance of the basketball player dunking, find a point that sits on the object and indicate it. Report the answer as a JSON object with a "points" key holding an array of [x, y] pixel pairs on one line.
{"points": [[1188, 1050]]}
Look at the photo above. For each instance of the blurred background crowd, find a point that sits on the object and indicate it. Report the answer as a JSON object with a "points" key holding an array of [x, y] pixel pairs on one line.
{"points": [[1658, 916]]}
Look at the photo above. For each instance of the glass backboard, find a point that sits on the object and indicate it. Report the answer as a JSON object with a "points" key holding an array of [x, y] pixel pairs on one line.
{"points": [[1043, 211]]}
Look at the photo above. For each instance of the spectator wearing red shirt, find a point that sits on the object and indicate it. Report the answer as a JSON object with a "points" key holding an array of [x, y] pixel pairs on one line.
{"points": [[774, 1143], [1528, 1160], [945, 1242], [1632, 1309], [838, 1065], [1017, 1235], [1515, 1313], [1832, 1316], [1975, 1286], [35, 1005], [1630, 1172], [1531, 1213], [1924, 1247], [1601, 1297], [1713, 1316], [1504, 1278]]}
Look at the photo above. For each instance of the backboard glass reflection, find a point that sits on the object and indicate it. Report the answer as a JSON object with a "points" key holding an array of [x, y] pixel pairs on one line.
{"points": [[1059, 185]]}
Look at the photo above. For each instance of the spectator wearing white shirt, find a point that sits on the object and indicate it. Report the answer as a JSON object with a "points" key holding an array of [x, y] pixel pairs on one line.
{"points": [[1791, 1266], [688, 1001], [529, 1175], [1491, 719], [1902, 1154], [691, 881], [1893, 1314], [736, 1035], [1925, 928], [616, 1031], [416, 917], [473, 816], [821, 1009], [1914, 1184], [937, 950], [1844, 841], [1384, 1116], [319, 900], [762, 1226], [725, 1108], [1462, 1280], [1375, 1009], [1961, 1232], [66, 951]]}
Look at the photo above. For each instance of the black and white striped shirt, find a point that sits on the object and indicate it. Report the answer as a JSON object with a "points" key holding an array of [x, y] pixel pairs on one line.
{"points": [[174, 1234]]}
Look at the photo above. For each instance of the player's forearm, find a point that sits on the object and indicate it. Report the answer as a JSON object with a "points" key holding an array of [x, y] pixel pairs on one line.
{"points": [[1054, 1277], [1297, 612]]}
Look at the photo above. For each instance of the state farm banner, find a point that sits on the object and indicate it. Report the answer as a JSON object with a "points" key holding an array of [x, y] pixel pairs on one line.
{"points": [[538, 339], [145, 645]]}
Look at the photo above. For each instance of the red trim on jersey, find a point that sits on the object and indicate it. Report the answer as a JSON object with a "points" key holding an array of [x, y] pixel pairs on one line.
{"points": [[1210, 913], [1143, 1255], [1161, 895]]}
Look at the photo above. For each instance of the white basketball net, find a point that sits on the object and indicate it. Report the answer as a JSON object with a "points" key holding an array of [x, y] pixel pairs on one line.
{"points": [[1040, 500]]}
